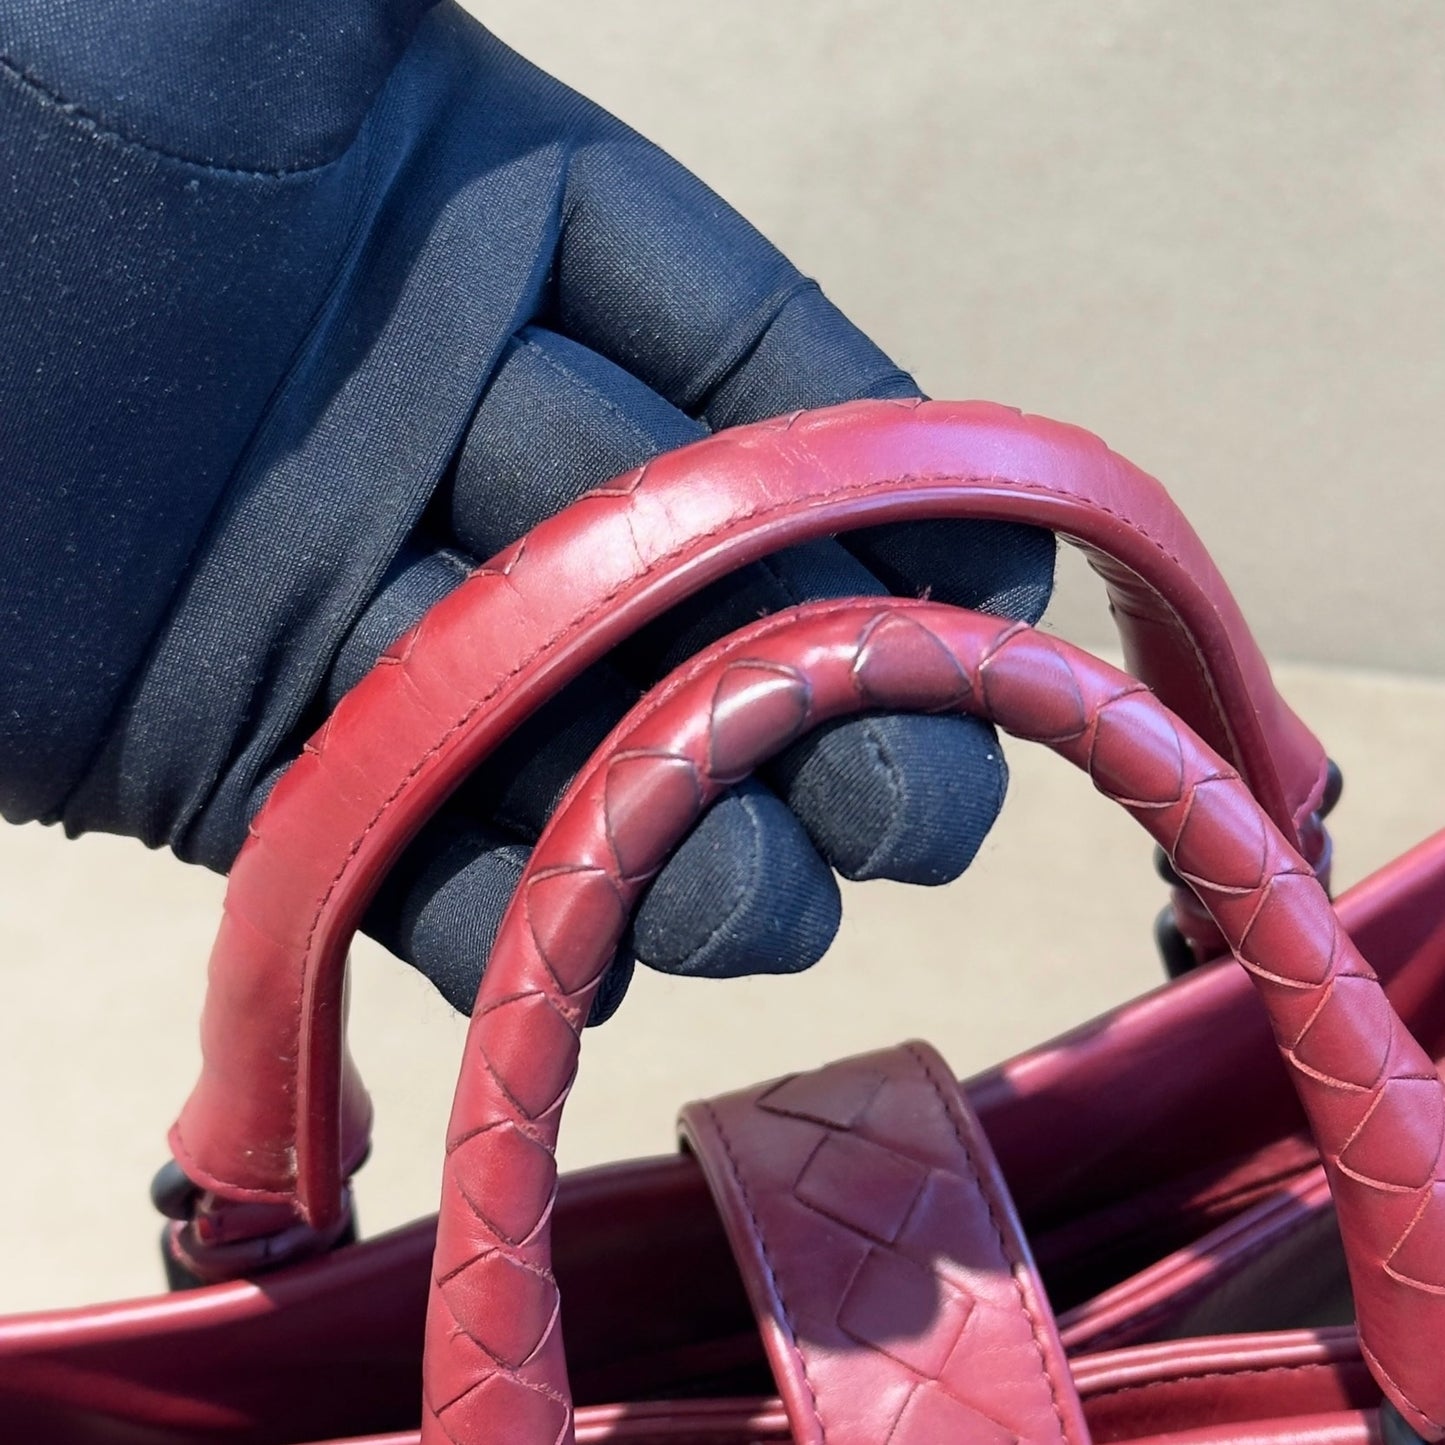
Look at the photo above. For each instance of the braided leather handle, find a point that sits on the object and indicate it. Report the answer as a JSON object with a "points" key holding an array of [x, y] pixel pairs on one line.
{"points": [[279, 1114], [495, 1367]]}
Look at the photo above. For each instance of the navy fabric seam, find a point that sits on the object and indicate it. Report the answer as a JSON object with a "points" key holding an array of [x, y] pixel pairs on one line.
{"points": [[888, 770], [744, 892], [746, 337], [107, 130], [458, 562], [566, 372]]}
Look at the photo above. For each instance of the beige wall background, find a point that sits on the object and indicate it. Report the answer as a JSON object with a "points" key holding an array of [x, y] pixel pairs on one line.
{"points": [[1210, 232]]}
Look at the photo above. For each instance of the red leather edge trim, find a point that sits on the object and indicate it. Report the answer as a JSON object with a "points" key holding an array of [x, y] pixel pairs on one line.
{"points": [[1218, 1357], [1346, 1427], [1140, 1304]]}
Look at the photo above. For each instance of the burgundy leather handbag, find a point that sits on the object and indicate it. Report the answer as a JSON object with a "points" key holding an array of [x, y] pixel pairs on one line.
{"points": [[1217, 1214]]}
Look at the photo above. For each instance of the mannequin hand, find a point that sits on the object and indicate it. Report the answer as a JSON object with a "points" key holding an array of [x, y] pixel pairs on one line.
{"points": [[313, 316]]}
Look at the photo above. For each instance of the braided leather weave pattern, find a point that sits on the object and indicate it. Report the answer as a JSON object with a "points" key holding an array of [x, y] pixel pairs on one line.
{"points": [[278, 1114], [495, 1364], [889, 1274]]}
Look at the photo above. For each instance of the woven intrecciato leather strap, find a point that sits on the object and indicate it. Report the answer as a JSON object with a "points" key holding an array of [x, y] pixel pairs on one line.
{"points": [[887, 1269], [495, 1365]]}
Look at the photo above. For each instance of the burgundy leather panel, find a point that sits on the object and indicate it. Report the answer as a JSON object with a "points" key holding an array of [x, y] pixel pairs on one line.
{"points": [[888, 1273], [239, 1362], [642, 1261], [495, 1363], [618, 1223], [1152, 1301], [1355, 1427], [670, 1422], [279, 1113], [333, 1347], [1200, 1049], [244, 1364], [1224, 1381]]}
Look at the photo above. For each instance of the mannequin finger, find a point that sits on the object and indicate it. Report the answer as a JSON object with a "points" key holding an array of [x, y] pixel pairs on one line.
{"points": [[903, 797], [999, 567], [746, 893], [656, 272]]}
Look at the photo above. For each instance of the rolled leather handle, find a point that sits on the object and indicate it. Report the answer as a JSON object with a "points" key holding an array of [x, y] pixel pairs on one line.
{"points": [[279, 1114], [495, 1368]]}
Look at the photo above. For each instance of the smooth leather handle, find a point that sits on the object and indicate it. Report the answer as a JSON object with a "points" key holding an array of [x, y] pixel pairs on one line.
{"points": [[495, 1368], [279, 1114]]}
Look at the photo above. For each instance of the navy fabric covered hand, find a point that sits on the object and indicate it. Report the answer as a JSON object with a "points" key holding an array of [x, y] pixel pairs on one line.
{"points": [[307, 310]]}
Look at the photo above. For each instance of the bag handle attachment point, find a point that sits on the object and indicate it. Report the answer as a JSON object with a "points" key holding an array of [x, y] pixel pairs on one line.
{"points": [[208, 1239]]}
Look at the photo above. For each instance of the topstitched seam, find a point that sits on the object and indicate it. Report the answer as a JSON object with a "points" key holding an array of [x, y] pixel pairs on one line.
{"points": [[887, 769], [107, 130], [773, 1280], [723, 924], [761, 509], [1143, 1387], [1372, 1360], [647, 440], [983, 1186], [471, 711]]}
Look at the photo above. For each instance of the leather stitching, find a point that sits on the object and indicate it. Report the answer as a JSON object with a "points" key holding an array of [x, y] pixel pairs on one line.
{"points": [[1093, 691], [625, 486], [1194, 1377], [983, 1186], [663, 562], [1382, 1374], [1089, 688], [1011, 1337], [760, 1235]]}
